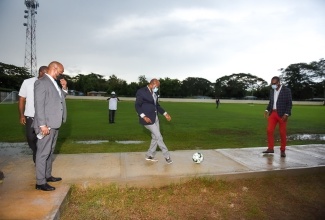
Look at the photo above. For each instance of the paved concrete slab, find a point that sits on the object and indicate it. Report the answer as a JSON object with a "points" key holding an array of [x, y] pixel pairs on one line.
{"points": [[20, 200], [297, 157]]}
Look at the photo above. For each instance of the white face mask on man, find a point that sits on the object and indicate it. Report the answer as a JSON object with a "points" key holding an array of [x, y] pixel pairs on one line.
{"points": [[274, 86], [155, 89]]}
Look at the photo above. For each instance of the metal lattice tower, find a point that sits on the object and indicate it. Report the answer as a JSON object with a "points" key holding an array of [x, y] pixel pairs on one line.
{"points": [[30, 45]]}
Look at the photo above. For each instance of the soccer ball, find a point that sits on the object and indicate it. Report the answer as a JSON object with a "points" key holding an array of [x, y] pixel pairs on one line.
{"points": [[197, 157]]}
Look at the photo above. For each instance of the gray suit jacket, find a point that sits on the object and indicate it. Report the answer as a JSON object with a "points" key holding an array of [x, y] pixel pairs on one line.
{"points": [[50, 107]]}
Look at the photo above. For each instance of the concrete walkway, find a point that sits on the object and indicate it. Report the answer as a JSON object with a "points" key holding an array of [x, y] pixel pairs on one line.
{"points": [[20, 200]]}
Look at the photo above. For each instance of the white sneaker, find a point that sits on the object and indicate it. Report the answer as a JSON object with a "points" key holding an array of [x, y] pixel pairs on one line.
{"points": [[168, 160], [150, 158]]}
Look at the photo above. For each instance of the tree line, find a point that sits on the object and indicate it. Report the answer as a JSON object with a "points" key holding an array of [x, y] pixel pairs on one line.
{"points": [[306, 81]]}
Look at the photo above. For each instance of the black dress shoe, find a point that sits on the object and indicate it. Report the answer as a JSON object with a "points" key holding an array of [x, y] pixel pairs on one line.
{"points": [[283, 154], [53, 179], [268, 151], [45, 187]]}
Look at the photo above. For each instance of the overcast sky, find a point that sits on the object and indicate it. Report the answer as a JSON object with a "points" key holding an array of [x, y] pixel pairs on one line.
{"points": [[169, 38]]}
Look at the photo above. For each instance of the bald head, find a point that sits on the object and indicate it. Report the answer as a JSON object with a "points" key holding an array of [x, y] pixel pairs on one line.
{"points": [[154, 85], [154, 82], [55, 69]]}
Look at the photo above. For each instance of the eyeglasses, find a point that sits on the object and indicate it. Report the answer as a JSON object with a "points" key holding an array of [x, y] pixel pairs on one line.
{"points": [[274, 83]]}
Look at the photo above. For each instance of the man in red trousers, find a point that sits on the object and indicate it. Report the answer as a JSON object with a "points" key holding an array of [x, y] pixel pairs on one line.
{"points": [[277, 112]]}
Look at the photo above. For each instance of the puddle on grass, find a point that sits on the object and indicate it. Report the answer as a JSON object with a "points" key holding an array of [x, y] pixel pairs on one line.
{"points": [[105, 141], [12, 149], [319, 137], [92, 142], [129, 142], [22, 148]]}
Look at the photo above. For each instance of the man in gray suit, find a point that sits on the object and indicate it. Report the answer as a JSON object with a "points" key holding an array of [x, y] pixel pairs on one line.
{"points": [[147, 107], [50, 112]]}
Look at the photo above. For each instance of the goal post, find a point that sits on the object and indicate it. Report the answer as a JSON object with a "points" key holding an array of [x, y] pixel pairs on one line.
{"points": [[10, 98]]}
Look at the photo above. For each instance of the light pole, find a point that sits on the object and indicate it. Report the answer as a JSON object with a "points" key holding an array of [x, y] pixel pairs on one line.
{"points": [[30, 62]]}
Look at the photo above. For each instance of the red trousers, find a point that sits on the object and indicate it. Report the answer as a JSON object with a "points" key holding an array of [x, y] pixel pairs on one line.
{"points": [[273, 119]]}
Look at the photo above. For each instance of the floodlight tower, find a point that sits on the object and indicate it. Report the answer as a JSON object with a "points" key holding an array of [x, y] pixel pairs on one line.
{"points": [[30, 45]]}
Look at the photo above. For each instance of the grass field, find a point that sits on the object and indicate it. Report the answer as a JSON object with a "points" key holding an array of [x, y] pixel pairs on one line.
{"points": [[193, 126], [272, 197]]}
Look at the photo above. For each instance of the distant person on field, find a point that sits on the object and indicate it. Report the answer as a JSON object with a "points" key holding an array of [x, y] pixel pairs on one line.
{"points": [[147, 107], [277, 112], [217, 102], [50, 113], [26, 108], [112, 107]]}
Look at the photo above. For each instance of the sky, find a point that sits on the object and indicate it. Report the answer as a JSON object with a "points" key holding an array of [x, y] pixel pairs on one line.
{"points": [[170, 38]]}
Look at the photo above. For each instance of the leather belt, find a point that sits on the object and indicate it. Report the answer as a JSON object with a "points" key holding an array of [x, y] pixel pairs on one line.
{"points": [[273, 110]]}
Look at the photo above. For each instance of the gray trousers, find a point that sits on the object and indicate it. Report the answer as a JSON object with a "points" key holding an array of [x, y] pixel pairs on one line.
{"points": [[156, 139], [44, 156]]}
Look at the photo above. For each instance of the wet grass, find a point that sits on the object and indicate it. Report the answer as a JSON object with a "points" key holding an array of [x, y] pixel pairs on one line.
{"points": [[272, 197], [193, 126]]}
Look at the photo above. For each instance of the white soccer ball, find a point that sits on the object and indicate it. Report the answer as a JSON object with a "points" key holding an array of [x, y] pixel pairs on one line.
{"points": [[197, 157]]}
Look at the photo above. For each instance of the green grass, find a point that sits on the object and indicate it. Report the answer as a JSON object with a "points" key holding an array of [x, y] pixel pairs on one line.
{"points": [[193, 126]]}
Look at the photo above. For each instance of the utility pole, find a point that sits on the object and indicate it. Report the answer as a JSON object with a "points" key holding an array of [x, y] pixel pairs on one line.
{"points": [[30, 46]]}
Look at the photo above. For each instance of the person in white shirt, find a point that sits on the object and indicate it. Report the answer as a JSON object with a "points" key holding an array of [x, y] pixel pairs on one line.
{"points": [[26, 108], [112, 107]]}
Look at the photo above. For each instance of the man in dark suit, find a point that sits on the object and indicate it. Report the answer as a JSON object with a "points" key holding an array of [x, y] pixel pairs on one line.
{"points": [[50, 112], [147, 107], [278, 111]]}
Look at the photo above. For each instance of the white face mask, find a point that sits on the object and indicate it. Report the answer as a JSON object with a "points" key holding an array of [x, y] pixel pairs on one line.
{"points": [[155, 89], [274, 86]]}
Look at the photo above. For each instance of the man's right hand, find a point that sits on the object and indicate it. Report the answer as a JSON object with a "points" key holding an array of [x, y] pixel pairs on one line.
{"points": [[147, 120], [45, 130], [266, 114], [22, 120]]}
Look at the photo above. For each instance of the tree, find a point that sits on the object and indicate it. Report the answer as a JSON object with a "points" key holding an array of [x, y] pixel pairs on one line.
{"points": [[298, 78], [170, 88], [142, 81], [11, 77], [117, 85], [319, 76], [195, 86], [132, 89], [90, 82], [238, 85]]}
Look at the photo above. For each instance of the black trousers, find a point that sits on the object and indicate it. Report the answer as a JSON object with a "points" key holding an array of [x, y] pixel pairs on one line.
{"points": [[111, 116], [31, 136]]}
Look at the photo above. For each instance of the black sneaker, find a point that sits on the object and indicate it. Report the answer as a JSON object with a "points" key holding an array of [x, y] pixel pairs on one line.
{"points": [[168, 160], [150, 158], [268, 151]]}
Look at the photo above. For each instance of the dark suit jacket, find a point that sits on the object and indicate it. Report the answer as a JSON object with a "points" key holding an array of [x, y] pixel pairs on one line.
{"points": [[145, 104], [50, 107], [284, 102]]}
